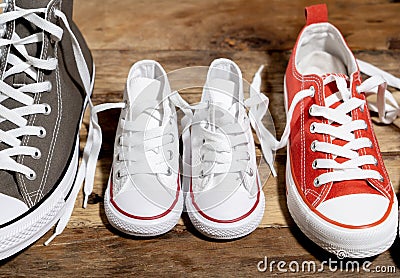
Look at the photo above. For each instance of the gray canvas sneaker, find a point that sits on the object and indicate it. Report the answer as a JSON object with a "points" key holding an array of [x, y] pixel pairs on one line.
{"points": [[46, 81]]}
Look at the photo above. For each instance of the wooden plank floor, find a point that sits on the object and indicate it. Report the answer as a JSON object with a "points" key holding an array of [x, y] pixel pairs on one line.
{"points": [[193, 33]]}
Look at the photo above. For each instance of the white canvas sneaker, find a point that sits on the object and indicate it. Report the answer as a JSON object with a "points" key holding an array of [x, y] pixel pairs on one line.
{"points": [[225, 199], [143, 195]]}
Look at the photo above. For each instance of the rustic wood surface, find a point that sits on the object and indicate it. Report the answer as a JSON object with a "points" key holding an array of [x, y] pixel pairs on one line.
{"points": [[188, 33]]}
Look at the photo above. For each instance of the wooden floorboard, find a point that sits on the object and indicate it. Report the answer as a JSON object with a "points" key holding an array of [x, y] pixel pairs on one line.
{"points": [[101, 252], [229, 24], [193, 33]]}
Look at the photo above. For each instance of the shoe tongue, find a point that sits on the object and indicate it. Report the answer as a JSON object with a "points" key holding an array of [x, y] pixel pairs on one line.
{"points": [[29, 4], [344, 188], [143, 91], [222, 92], [331, 87], [24, 28], [326, 75]]}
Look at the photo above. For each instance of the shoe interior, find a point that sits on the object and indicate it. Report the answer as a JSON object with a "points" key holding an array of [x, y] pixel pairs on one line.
{"points": [[146, 87], [321, 49], [223, 83]]}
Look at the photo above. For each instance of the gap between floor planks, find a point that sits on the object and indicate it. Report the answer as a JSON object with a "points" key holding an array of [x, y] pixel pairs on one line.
{"points": [[229, 25], [104, 252], [113, 66]]}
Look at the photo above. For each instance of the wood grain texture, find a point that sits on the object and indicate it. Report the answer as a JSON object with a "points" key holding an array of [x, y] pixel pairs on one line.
{"points": [[229, 24], [191, 33], [103, 252], [112, 70]]}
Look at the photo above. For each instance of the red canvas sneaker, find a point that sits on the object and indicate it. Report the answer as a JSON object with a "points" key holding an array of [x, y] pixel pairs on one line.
{"points": [[338, 190]]}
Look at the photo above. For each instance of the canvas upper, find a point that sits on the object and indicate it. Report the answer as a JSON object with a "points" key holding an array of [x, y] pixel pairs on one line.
{"points": [[145, 173], [322, 62], [64, 98], [233, 192], [225, 199]]}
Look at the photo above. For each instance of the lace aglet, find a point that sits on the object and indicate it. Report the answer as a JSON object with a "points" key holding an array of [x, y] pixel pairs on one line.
{"points": [[50, 239], [260, 69], [273, 171], [85, 201]]}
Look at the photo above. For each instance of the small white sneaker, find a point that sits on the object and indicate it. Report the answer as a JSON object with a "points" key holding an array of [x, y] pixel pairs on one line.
{"points": [[225, 199], [143, 196]]}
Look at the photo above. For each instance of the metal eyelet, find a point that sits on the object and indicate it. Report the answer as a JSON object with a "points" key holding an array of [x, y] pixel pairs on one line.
{"points": [[312, 128], [248, 156], [172, 138], [171, 154], [119, 157], [120, 141], [37, 154], [312, 89], [317, 183], [371, 145], [50, 87], [47, 109], [310, 110], [52, 41], [250, 173], [202, 175], [314, 164], [31, 176], [118, 176], [42, 132], [202, 157], [169, 172], [313, 146], [126, 102], [204, 141]]}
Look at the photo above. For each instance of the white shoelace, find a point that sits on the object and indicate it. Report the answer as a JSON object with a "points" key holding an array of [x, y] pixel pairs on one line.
{"points": [[134, 159], [225, 144], [387, 112], [86, 80], [351, 168], [258, 104], [31, 66]]}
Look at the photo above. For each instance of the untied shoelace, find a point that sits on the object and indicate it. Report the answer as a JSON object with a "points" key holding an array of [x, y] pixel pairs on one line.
{"points": [[257, 104]]}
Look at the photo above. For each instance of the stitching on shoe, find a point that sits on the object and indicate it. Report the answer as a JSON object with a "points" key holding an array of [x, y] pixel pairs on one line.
{"points": [[326, 189], [303, 79], [374, 182], [55, 133], [24, 191], [58, 121], [27, 138], [311, 192]]}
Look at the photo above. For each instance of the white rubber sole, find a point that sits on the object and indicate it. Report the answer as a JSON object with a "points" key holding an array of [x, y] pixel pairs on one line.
{"points": [[351, 243], [226, 231], [344, 242], [142, 228], [22, 233], [25, 231]]}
